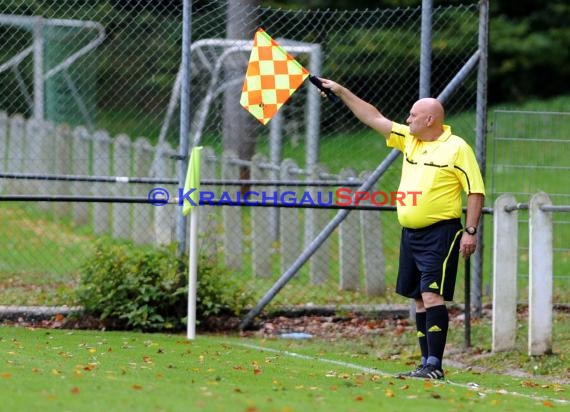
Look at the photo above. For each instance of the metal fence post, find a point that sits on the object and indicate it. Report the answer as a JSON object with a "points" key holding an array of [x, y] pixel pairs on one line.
{"points": [[184, 149], [481, 149]]}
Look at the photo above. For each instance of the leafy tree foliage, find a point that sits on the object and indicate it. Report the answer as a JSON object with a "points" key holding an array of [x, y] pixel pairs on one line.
{"points": [[529, 41], [526, 49]]}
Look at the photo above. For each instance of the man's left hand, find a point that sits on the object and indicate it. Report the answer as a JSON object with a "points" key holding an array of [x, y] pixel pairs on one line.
{"points": [[467, 245]]}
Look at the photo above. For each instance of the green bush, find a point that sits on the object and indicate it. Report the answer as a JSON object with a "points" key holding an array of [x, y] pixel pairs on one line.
{"points": [[132, 288]]}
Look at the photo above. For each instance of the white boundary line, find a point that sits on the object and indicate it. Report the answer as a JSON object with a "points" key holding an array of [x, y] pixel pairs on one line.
{"points": [[473, 387]]}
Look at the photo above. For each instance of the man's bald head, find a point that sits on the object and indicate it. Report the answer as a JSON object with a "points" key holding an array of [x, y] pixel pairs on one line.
{"points": [[432, 107], [426, 118]]}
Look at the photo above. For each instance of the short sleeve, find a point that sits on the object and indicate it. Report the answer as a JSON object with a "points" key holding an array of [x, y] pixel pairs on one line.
{"points": [[467, 170], [397, 138]]}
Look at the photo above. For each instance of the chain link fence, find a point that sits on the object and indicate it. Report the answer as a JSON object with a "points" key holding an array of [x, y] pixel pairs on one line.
{"points": [[529, 151], [92, 89]]}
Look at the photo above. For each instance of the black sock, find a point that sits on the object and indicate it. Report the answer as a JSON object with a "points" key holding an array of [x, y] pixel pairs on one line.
{"points": [[422, 338], [437, 323]]}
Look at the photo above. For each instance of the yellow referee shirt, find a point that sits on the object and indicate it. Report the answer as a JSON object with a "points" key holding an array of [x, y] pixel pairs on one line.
{"points": [[439, 169]]}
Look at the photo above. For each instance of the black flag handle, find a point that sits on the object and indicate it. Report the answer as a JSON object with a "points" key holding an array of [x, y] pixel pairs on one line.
{"points": [[317, 82]]}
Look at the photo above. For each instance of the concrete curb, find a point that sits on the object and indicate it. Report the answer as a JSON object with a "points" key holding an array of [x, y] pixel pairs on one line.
{"points": [[43, 313], [36, 313], [378, 311]]}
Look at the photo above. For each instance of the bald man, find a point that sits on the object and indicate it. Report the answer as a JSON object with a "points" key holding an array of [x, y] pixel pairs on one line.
{"points": [[439, 165]]}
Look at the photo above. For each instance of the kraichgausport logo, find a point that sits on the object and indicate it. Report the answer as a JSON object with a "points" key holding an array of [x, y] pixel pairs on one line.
{"points": [[343, 197]]}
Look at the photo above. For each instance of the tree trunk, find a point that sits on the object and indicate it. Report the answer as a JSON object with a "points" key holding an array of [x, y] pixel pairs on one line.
{"points": [[239, 126]]}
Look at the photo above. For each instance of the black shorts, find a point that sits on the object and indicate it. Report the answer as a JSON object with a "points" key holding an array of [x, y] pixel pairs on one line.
{"points": [[428, 260]]}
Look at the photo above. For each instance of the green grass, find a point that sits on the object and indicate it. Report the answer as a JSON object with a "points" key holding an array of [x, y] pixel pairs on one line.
{"points": [[41, 253], [31, 229], [61, 370], [39, 256]]}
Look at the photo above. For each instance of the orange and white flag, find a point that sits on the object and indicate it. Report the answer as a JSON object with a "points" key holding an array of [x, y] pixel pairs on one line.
{"points": [[272, 77]]}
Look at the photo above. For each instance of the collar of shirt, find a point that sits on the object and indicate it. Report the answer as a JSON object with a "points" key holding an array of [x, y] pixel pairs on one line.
{"points": [[445, 135]]}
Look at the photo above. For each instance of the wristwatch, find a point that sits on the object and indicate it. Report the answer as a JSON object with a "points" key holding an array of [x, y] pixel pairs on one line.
{"points": [[471, 230]]}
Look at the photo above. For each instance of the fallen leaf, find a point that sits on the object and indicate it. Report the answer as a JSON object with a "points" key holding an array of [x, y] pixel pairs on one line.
{"points": [[359, 398], [6, 375], [548, 404], [147, 359], [137, 387], [435, 395], [389, 393], [75, 390]]}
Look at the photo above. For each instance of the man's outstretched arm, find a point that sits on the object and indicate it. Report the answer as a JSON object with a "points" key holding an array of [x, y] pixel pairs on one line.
{"points": [[365, 112]]}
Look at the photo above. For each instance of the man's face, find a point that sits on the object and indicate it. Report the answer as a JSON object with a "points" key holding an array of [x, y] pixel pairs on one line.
{"points": [[418, 119]]}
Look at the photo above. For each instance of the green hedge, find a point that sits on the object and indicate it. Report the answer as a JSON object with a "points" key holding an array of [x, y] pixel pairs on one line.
{"points": [[131, 288]]}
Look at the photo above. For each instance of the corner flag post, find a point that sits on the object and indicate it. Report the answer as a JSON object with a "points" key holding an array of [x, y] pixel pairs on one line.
{"points": [[192, 182]]}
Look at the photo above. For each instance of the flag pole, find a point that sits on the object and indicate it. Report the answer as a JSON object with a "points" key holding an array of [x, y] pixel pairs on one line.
{"points": [[192, 273], [192, 187]]}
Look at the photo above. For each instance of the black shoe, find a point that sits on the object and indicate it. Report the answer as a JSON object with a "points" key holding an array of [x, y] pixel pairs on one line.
{"points": [[429, 372], [410, 373]]}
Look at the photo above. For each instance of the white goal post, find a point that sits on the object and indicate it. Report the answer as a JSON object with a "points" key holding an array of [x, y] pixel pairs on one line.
{"points": [[36, 25], [201, 52]]}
